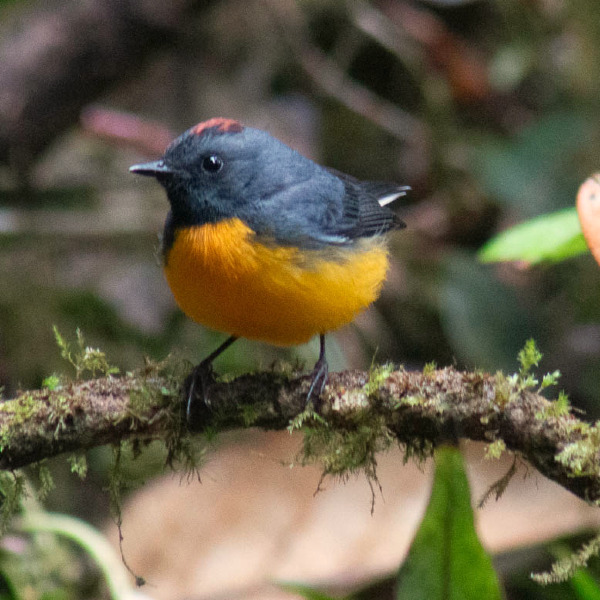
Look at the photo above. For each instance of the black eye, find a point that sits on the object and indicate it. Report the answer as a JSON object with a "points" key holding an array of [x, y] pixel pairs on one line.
{"points": [[212, 163]]}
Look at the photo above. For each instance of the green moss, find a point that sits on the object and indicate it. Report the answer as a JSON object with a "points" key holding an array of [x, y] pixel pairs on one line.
{"points": [[561, 407], [377, 377], [51, 382], [307, 417], [12, 491], [528, 358], [413, 400], [504, 389], [191, 455], [565, 568], [250, 414], [23, 407], [116, 483], [144, 394], [78, 463], [418, 450], [581, 456], [550, 379], [83, 358], [59, 412], [495, 450], [45, 480], [22, 410], [343, 453], [348, 449], [183, 450], [429, 369]]}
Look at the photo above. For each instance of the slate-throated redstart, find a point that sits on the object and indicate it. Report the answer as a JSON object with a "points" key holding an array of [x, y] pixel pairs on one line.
{"points": [[265, 244]]}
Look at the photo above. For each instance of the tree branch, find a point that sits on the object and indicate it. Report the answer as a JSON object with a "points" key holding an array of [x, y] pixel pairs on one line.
{"points": [[418, 410]]}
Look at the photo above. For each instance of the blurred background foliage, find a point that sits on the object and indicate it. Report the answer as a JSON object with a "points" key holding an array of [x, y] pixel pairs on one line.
{"points": [[489, 109]]}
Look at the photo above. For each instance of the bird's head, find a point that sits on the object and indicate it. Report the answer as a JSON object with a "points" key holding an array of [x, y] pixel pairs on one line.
{"points": [[219, 168]]}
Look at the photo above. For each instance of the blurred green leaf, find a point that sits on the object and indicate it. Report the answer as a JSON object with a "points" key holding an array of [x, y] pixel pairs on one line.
{"points": [[92, 542], [305, 591], [585, 586], [8, 586], [553, 237], [446, 560]]}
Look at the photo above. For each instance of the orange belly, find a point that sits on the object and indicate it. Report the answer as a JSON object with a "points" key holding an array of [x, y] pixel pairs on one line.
{"points": [[223, 278]]}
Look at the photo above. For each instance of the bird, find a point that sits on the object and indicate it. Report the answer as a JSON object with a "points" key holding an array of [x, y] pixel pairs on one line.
{"points": [[263, 243]]}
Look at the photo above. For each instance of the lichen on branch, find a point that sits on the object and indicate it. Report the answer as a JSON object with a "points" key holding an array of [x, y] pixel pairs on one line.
{"points": [[360, 413]]}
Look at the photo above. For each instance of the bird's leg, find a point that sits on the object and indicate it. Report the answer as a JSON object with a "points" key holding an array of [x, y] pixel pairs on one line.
{"points": [[319, 374], [199, 379]]}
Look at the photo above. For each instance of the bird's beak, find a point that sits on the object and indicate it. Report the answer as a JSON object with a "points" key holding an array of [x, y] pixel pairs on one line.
{"points": [[151, 169]]}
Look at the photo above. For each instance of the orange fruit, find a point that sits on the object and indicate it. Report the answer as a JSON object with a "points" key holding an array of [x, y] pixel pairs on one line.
{"points": [[588, 209]]}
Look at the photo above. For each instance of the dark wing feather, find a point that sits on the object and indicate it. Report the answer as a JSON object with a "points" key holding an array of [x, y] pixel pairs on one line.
{"points": [[325, 208], [363, 215]]}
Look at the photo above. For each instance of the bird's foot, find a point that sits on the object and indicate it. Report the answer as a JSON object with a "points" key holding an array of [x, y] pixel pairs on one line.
{"points": [[195, 388], [319, 377]]}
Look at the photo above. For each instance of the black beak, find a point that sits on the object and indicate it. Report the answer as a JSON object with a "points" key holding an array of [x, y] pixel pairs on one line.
{"points": [[151, 169]]}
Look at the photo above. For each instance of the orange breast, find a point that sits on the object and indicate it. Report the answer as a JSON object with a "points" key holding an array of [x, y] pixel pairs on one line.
{"points": [[223, 278]]}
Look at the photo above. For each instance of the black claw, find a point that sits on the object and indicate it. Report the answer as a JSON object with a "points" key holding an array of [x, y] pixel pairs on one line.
{"points": [[196, 386], [319, 375], [202, 377]]}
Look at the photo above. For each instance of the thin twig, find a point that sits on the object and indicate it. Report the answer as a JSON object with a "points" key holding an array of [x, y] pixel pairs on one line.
{"points": [[334, 82]]}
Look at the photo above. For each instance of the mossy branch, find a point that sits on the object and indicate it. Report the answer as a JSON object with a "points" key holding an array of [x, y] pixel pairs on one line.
{"points": [[360, 413]]}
